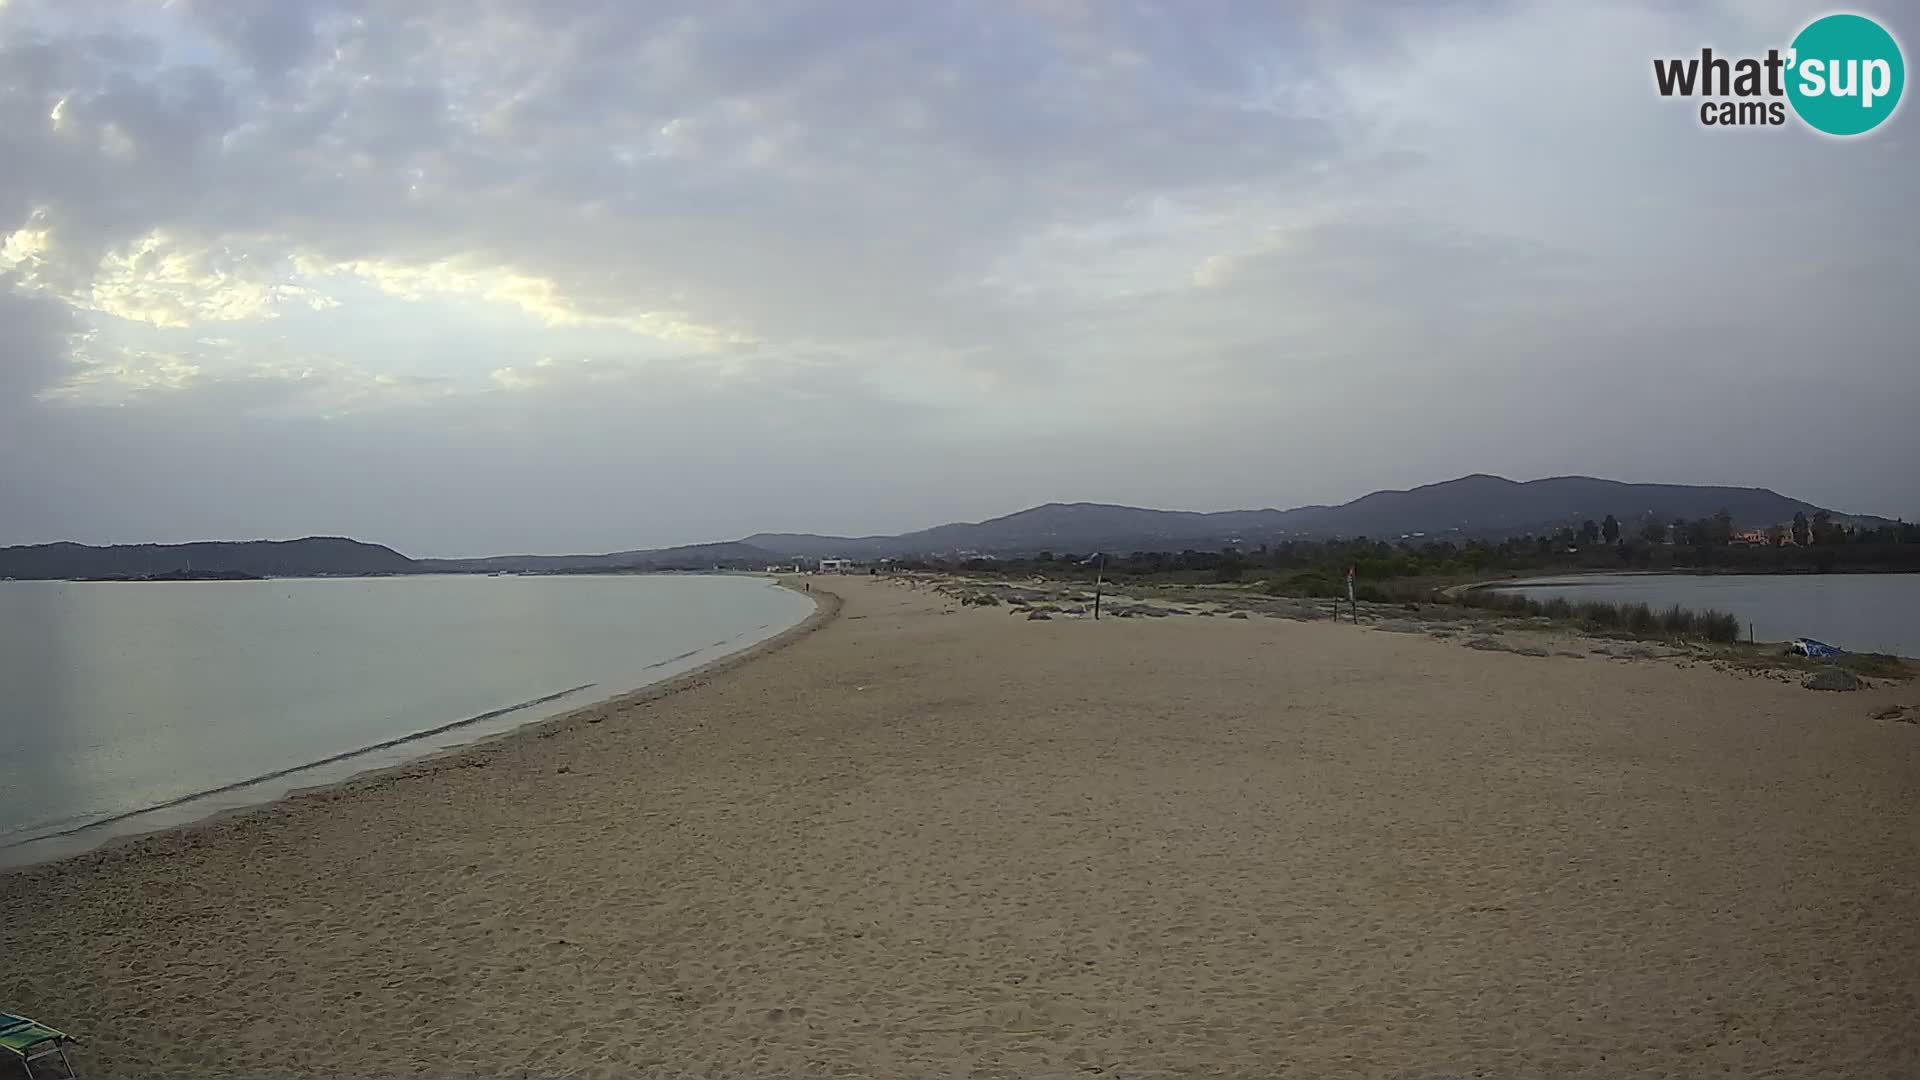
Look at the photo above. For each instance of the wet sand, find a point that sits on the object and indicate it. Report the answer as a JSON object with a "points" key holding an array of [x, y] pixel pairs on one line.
{"points": [[932, 841]]}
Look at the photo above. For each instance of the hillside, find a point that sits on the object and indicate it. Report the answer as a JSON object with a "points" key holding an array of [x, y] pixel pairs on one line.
{"points": [[1481, 504], [308, 556], [1478, 505], [332, 556], [687, 557]]}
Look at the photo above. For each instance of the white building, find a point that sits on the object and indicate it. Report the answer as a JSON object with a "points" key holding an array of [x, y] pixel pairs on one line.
{"points": [[835, 566]]}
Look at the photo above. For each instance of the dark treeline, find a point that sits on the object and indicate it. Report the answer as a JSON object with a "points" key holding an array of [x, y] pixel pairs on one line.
{"points": [[1318, 568]]}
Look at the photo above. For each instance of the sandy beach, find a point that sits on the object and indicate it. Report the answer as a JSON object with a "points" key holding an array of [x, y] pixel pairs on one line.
{"points": [[911, 838]]}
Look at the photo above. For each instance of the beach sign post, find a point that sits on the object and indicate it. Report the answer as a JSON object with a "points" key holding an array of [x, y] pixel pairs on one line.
{"points": [[1352, 604]]}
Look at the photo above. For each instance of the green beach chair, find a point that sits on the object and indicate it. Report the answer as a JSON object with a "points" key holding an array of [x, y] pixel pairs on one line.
{"points": [[34, 1045]]}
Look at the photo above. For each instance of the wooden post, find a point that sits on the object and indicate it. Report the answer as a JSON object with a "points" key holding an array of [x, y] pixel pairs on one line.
{"points": [[1099, 571]]}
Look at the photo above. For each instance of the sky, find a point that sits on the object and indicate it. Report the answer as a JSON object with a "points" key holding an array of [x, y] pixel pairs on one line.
{"points": [[479, 276]]}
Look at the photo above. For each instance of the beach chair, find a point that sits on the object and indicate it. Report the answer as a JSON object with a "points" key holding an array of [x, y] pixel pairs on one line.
{"points": [[36, 1047]]}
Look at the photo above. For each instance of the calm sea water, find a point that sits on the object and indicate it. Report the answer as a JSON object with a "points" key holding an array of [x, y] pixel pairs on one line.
{"points": [[155, 699], [1858, 612]]}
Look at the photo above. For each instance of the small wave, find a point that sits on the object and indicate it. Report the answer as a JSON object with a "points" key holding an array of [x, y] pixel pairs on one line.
{"points": [[676, 659]]}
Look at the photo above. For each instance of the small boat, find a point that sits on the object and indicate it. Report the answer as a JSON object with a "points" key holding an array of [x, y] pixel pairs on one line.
{"points": [[35, 1046]]}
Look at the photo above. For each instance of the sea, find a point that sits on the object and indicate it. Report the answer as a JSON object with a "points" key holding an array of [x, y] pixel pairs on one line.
{"points": [[132, 706], [1858, 612]]}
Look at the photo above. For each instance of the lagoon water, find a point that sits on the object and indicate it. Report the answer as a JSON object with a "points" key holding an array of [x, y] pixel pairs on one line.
{"points": [[1858, 612], [129, 706]]}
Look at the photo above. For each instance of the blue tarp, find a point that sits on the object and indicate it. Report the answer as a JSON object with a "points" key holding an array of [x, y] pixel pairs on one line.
{"points": [[1806, 646]]}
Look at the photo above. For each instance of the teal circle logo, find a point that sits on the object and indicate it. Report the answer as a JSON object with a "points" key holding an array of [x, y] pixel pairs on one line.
{"points": [[1845, 74]]}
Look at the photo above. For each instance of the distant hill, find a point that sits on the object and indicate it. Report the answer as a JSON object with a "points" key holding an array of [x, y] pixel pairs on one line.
{"points": [[1478, 505], [687, 557], [334, 556], [312, 555], [1057, 526], [1491, 504]]}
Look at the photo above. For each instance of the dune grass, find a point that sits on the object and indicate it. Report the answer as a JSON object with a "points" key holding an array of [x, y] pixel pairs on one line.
{"points": [[1636, 619]]}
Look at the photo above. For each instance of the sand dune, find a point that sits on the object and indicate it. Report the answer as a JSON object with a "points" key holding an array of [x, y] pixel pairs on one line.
{"points": [[931, 841]]}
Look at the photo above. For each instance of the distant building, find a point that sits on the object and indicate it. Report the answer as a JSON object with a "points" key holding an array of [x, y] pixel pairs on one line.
{"points": [[835, 566]]}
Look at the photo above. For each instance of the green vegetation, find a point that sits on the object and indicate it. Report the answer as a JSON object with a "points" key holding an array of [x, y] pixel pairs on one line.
{"points": [[1424, 571], [1875, 665], [1395, 570], [1636, 620]]}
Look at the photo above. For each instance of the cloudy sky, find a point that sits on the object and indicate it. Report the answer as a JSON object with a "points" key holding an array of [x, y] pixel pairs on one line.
{"points": [[473, 276]]}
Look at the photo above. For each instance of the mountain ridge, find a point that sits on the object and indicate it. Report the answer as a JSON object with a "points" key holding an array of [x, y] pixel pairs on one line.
{"points": [[1478, 504], [265, 558], [1475, 505]]}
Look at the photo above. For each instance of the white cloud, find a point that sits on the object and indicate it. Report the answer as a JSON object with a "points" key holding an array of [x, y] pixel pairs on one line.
{"points": [[162, 281], [537, 296], [23, 249]]}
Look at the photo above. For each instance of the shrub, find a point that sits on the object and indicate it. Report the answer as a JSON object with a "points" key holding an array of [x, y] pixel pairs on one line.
{"points": [[1639, 618], [1599, 613], [1717, 626], [1516, 603], [1676, 620], [1308, 584]]}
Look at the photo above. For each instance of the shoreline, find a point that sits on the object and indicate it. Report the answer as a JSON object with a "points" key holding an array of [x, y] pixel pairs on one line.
{"points": [[923, 837], [62, 845]]}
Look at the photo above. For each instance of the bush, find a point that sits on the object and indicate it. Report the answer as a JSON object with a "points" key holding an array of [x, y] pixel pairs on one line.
{"points": [[1310, 584], [1676, 620], [1717, 626], [1599, 613], [1639, 618], [1515, 603]]}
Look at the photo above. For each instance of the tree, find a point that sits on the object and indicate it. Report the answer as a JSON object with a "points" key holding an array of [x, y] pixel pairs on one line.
{"points": [[1654, 531], [1230, 566], [1590, 531], [1720, 528], [1801, 535], [1822, 527], [1776, 536], [1610, 529]]}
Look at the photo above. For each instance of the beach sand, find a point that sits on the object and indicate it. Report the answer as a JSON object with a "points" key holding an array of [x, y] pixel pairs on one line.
{"points": [[932, 841]]}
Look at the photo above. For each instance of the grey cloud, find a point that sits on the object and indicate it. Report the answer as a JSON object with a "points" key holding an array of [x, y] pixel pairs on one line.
{"points": [[35, 337], [272, 39], [966, 246], [1007, 136]]}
